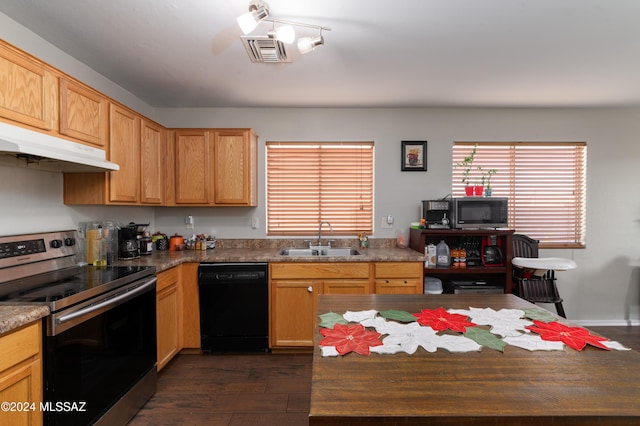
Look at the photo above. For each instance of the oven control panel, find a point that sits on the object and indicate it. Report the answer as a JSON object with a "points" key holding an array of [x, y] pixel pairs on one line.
{"points": [[18, 250]]}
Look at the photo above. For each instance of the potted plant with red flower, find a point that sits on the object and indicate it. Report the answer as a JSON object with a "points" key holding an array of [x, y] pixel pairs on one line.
{"points": [[467, 164]]}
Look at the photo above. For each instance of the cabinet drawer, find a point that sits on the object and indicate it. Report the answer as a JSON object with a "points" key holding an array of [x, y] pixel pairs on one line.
{"points": [[167, 278], [398, 286], [398, 269], [320, 270], [359, 286], [19, 345]]}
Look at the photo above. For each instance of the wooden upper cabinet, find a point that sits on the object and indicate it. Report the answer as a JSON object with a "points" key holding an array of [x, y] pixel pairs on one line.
{"points": [[28, 90], [137, 146], [124, 150], [84, 113], [152, 141], [193, 152], [235, 167]]}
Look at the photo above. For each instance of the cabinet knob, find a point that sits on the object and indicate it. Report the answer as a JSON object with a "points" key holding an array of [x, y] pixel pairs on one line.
{"points": [[310, 289]]}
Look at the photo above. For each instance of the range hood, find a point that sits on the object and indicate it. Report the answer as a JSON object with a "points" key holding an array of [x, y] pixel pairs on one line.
{"points": [[27, 148]]}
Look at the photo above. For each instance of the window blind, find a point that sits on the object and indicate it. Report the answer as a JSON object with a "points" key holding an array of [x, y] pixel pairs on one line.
{"points": [[545, 183], [311, 182]]}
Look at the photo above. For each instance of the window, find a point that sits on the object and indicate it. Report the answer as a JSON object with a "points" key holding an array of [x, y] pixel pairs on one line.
{"points": [[545, 183], [311, 182]]}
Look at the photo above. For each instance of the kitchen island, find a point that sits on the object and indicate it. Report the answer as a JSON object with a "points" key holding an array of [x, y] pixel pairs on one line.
{"points": [[514, 387]]}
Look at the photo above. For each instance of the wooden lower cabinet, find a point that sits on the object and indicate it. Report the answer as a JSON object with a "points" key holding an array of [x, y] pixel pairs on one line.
{"points": [[190, 306], [168, 315], [293, 307], [294, 290], [398, 278], [294, 293], [21, 374]]}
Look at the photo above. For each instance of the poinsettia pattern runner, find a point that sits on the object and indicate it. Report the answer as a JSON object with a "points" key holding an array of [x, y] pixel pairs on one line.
{"points": [[455, 330]]}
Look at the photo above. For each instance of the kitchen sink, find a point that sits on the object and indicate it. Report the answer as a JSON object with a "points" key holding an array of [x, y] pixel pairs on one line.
{"points": [[319, 251]]}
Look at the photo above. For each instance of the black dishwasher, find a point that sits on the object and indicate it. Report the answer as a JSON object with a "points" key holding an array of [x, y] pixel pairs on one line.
{"points": [[234, 307]]}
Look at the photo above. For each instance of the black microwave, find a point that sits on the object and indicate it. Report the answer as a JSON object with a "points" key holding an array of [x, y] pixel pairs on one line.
{"points": [[480, 212]]}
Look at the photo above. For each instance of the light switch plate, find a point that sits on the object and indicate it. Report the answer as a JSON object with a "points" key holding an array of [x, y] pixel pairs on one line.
{"points": [[385, 222]]}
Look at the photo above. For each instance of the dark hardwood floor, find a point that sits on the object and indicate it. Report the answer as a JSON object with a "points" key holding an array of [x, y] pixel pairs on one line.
{"points": [[246, 389], [254, 389]]}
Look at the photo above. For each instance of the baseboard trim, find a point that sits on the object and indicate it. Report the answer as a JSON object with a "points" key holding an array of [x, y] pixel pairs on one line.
{"points": [[606, 323]]}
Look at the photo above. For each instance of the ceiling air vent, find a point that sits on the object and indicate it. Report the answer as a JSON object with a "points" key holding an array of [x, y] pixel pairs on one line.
{"points": [[263, 49]]}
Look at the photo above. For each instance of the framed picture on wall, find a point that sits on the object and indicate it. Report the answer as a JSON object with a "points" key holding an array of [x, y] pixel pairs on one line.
{"points": [[414, 156]]}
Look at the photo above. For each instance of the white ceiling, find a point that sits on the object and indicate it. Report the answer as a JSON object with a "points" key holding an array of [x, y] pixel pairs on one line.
{"points": [[379, 53]]}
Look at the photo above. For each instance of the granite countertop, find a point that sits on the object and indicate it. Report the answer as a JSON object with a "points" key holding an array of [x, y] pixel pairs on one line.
{"points": [[15, 316], [163, 260]]}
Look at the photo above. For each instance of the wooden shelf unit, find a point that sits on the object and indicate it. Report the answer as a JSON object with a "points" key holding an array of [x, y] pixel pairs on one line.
{"points": [[499, 275]]}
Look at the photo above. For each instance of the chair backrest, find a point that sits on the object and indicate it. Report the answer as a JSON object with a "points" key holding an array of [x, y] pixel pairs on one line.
{"points": [[524, 246]]}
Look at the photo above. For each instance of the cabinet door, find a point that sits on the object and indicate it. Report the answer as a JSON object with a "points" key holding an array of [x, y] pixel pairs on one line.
{"points": [[84, 113], [167, 316], [124, 150], [346, 287], [190, 306], [152, 139], [21, 377], [234, 167], [28, 92], [193, 152], [293, 306], [398, 286]]}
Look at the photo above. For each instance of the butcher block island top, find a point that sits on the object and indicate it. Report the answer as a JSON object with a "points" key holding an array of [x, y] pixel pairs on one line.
{"points": [[514, 387]]}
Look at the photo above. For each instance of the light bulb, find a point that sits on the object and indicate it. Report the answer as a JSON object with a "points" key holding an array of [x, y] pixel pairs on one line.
{"points": [[286, 34], [307, 44], [249, 21]]}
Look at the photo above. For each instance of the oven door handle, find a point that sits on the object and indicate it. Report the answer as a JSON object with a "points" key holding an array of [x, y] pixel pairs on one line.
{"points": [[107, 302]]}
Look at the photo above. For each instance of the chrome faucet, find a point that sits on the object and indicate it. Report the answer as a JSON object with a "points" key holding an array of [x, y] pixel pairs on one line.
{"points": [[320, 232]]}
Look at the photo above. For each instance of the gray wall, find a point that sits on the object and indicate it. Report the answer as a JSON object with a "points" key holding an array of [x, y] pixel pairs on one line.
{"points": [[604, 289]]}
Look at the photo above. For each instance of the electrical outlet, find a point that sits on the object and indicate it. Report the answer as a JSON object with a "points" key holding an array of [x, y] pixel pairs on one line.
{"points": [[188, 221], [255, 222], [386, 224]]}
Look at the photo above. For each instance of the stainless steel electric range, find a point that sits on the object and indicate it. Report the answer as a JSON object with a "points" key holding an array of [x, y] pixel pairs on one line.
{"points": [[99, 344]]}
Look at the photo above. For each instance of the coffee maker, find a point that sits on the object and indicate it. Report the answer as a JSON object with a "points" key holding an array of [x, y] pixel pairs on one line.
{"points": [[145, 244], [436, 213], [492, 251], [128, 242]]}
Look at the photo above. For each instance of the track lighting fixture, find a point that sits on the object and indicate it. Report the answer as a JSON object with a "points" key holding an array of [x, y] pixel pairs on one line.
{"points": [[258, 11], [281, 31]]}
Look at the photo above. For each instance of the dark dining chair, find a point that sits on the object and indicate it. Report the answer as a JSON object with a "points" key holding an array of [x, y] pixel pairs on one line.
{"points": [[532, 288]]}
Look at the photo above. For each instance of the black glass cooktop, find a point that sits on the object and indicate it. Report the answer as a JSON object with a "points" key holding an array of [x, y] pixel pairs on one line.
{"points": [[69, 286]]}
